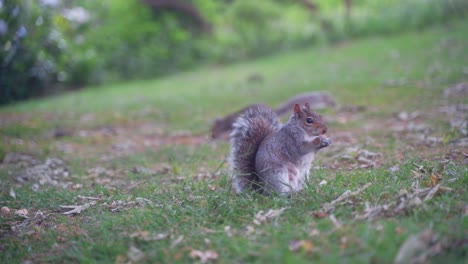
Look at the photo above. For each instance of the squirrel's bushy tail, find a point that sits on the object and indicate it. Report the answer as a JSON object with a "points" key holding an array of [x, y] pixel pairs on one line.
{"points": [[249, 130]]}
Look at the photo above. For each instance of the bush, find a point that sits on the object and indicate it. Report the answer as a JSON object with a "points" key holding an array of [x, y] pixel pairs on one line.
{"points": [[370, 17], [250, 29], [134, 42], [31, 52]]}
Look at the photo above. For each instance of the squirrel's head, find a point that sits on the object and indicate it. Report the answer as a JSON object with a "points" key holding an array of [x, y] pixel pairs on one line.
{"points": [[312, 122]]}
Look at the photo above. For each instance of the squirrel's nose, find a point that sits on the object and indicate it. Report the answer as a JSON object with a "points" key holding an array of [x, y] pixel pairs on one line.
{"points": [[324, 130]]}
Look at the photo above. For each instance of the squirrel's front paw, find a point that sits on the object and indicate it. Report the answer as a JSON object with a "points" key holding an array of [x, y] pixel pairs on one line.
{"points": [[325, 141]]}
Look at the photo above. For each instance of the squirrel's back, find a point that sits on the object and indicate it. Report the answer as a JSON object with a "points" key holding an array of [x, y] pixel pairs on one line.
{"points": [[249, 130]]}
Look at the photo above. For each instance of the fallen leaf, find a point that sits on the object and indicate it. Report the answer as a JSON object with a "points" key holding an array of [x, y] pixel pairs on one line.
{"points": [[121, 259], [204, 256], [146, 236], [398, 230], [343, 242], [208, 231], [335, 221], [227, 230], [135, 255], [88, 197], [314, 232], [76, 209], [5, 210], [327, 207], [432, 192], [22, 213], [320, 214], [139, 234], [420, 168], [434, 180], [304, 245], [260, 217], [12, 193], [394, 168], [418, 248], [177, 241]]}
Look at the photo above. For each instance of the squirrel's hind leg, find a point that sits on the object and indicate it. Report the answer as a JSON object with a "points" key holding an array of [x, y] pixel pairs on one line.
{"points": [[283, 181]]}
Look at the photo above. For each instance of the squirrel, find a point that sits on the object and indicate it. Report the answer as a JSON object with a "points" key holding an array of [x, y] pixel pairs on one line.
{"points": [[269, 157], [317, 100]]}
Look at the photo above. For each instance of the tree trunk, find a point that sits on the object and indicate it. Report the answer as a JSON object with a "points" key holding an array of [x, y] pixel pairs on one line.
{"points": [[182, 7], [309, 5], [348, 9]]}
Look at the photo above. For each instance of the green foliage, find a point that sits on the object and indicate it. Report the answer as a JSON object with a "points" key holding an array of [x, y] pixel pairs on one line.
{"points": [[132, 41], [253, 28], [126, 39], [29, 53], [383, 17]]}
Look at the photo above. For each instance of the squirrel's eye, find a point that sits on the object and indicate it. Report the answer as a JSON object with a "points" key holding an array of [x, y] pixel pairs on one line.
{"points": [[309, 120]]}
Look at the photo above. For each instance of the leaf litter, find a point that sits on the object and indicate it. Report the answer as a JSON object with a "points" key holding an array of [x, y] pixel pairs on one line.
{"points": [[204, 256], [52, 171], [262, 217], [409, 198], [328, 207]]}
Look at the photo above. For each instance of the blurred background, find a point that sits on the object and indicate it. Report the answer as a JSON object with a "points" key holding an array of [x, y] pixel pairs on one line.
{"points": [[51, 46]]}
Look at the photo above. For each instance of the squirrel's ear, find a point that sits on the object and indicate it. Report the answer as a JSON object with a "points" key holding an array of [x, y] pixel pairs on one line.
{"points": [[307, 105], [297, 110]]}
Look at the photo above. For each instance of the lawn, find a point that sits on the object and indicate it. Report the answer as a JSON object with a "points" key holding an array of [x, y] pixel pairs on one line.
{"points": [[129, 173]]}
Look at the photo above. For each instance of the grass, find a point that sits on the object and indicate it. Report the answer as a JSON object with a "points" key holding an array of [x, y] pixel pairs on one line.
{"points": [[142, 149]]}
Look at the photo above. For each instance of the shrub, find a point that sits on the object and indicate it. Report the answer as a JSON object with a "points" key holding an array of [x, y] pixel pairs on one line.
{"points": [[30, 52]]}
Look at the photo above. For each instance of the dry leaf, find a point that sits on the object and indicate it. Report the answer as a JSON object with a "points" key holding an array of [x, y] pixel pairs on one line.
{"points": [[434, 180], [227, 230], [88, 197], [305, 245], [420, 168], [335, 221], [22, 213], [327, 207], [320, 214], [145, 235], [394, 168], [177, 241], [398, 230], [12, 193], [263, 218], [135, 255], [204, 256], [76, 209], [418, 248], [343, 242], [314, 232], [120, 259], [432, 192], [208, 231], [5, 210]]}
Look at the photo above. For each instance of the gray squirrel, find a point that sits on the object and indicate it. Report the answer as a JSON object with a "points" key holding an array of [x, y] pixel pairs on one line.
{"points": [[269, 157]]}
